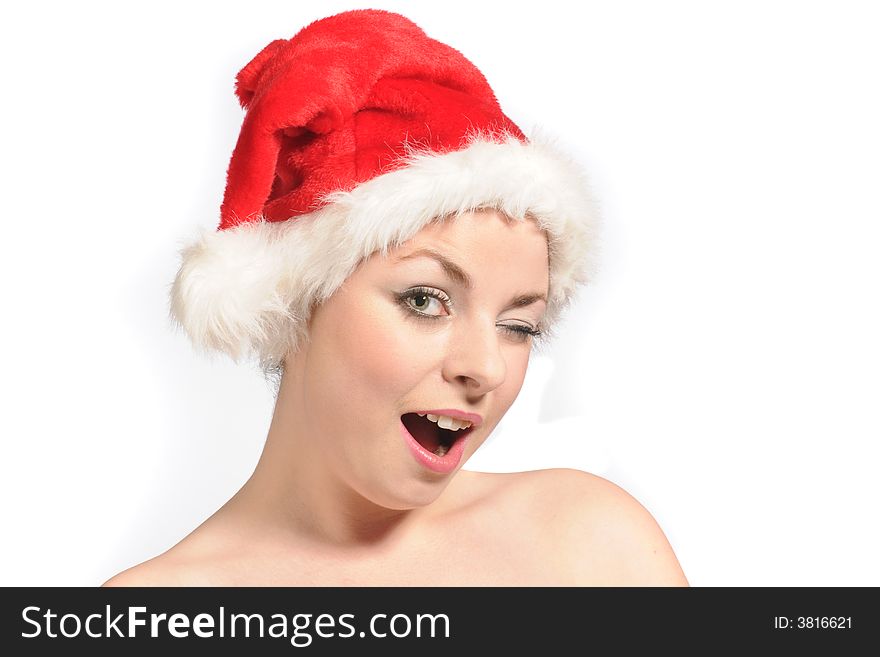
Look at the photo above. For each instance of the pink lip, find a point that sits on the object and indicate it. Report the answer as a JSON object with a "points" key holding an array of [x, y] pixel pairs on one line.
{"points": [[473, 418], [440, 464]]}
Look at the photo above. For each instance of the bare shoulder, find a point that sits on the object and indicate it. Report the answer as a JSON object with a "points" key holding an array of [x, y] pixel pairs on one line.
{"points": [[154, 572], [600, 533], [176, 567]]}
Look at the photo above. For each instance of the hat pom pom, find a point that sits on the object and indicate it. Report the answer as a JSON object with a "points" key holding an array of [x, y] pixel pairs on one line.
{"points": [[226, 293]]}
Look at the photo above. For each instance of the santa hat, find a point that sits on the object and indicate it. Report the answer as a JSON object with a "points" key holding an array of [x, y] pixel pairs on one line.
{"points": [[361, 130]]}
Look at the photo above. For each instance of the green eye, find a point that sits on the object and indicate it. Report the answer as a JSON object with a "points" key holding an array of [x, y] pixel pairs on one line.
{"points": [[418, 300]]}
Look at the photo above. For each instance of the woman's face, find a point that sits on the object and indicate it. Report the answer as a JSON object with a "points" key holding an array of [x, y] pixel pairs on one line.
{"points": [[405, 334]]}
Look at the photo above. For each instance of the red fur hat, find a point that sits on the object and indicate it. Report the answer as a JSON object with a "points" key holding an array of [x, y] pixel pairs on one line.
{"points": [[359, 131]]}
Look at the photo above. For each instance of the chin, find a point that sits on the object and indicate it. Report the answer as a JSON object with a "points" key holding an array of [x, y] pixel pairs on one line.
{"points": [[415, 494]]}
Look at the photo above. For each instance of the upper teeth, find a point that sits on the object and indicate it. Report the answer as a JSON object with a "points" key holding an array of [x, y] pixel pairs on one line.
{"points": [[447, 422]]}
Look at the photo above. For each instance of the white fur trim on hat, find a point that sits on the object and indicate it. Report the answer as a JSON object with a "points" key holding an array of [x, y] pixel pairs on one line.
{"points": [[251, 288]]}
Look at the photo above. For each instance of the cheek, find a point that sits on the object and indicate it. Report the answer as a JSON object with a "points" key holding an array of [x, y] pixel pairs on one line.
{"points": [[373, 359], [382, 353], [517, 364]]}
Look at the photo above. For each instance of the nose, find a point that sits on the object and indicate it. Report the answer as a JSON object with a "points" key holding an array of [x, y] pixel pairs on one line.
{"points": [[474, 357]]}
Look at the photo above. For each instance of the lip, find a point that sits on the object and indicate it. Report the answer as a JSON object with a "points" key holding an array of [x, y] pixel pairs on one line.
{"points": [[440, 464], [473, 418]]}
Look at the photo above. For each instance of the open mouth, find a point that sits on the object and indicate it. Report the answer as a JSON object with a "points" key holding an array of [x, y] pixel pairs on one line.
{"points": [[430, 435]]}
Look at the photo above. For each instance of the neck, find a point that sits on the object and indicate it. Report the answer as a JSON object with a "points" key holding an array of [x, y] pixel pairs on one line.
{"points": [[295, 492]]}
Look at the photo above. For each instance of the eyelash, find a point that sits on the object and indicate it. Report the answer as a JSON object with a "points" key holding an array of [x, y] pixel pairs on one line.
{"points": [[516, 330]]}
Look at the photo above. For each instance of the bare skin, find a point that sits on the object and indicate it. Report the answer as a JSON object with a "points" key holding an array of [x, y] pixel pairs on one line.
{"points": [[554, 527], [337, 497]]}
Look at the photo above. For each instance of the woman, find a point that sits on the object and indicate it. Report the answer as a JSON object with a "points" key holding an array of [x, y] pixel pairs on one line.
{"points": [[394, 247]]}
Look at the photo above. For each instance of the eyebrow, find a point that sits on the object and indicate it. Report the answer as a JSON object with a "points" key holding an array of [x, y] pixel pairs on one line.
{"points": [[461, 277]]}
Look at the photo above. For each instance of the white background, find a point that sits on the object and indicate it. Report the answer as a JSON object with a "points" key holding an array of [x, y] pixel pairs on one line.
{"points": [[724, 368]]}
